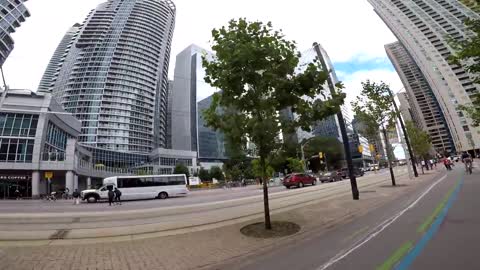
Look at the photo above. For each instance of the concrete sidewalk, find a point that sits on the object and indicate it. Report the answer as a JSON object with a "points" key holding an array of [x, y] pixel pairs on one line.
{"points": [[207, 248]]}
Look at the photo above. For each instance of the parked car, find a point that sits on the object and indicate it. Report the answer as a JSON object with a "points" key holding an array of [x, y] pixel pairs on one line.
{"points": [[344, 172], [299, 180], [330, 177]]}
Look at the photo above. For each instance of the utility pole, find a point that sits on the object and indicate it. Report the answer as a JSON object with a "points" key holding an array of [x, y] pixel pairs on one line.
{"points": [[404, 130], [343, 128]]}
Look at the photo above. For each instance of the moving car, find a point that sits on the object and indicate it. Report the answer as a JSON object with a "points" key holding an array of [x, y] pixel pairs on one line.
{"points": [[299, 180], [330, 177], [344, 172]]}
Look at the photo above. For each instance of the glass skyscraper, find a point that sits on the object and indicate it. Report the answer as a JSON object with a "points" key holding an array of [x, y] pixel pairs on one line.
{"points": [[211, 143], [187, 86], [113, 75], [12, 13], [423, 28]]}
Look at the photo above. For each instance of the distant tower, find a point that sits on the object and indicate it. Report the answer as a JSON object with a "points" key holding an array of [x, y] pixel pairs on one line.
{"points": [[58, 59], [12, 13]]}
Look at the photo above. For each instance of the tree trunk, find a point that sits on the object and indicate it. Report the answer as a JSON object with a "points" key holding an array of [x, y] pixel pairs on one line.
{"points": [[268, 224], [387, 144]]}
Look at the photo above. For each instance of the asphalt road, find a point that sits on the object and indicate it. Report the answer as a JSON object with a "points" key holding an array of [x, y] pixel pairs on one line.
{"points": [[194, 197], [435, 227]]}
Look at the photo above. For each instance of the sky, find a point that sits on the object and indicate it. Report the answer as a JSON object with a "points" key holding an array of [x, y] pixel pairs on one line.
{"points": [[349, 30]]}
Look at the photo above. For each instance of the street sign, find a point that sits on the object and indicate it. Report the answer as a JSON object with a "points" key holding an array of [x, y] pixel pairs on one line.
{"points": [[49, 175]]}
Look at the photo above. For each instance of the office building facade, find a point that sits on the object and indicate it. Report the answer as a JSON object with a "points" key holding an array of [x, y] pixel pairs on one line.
{"points": [[12, 13], [188, 83], [115, 78], [211, 143], [427, 113], [423, 28]]}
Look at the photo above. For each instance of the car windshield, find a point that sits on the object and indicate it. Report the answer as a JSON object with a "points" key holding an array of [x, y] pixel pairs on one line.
{"points": [[327, 174]]}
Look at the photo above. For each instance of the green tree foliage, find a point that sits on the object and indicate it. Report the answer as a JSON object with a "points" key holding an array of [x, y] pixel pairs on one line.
{"points": [[467, 54], [217, 173], [255, 67], [204, 175], [331, 147], [295, 165], [181, 169], [257, 169], [375, 110], [420, 140]]}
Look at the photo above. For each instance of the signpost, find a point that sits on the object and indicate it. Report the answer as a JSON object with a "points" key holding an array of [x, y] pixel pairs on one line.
{"points": [[49, 176]]}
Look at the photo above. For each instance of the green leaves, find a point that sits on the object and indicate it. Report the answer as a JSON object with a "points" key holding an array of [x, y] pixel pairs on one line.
{"points": [[468, 55], [419, 139], [294, 165], [255, 68], [374, 107], [181, 169]]}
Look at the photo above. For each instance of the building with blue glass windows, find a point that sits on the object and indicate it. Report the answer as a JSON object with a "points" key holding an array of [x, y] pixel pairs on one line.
{"points": [[12, 14]]}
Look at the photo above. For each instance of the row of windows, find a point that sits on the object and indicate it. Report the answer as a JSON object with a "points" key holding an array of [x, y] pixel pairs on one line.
{"points": [[56, 137], [16, 150], [175, 161], [23, 125], [150, 181]]}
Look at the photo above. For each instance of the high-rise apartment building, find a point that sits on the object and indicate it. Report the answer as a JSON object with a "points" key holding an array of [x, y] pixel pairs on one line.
{"points": [[12, 13], [424, 106], [406, 108], [58, 59], [188, 83], [113, 75], [423, 28], [169, 114]]}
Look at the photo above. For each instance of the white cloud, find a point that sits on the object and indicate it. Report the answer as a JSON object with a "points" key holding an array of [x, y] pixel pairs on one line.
{"points": [[348, 29]]}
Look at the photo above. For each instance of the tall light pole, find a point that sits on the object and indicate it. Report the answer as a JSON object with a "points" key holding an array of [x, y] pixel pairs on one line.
{"points": [[343, 128], [302, 145]]}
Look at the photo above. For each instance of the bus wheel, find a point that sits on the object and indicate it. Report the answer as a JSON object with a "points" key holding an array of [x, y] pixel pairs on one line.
{"points": [[163, 195]]}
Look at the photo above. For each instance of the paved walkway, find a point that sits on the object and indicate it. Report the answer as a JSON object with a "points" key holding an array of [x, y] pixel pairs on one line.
{"points": [[205, 249]]}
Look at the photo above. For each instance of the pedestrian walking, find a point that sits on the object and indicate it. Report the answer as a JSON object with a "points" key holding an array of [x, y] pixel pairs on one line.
{"points": [[118, 194], [111, 195], [76, 197], [17, 194]]}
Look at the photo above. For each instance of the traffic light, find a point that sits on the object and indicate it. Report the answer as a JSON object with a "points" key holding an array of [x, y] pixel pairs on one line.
{"points": [[320, 155], [360, 149]]}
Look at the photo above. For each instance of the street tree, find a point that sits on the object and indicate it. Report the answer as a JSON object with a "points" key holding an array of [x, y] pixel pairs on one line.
{"points": [[181, 169], [204, 175], [256, 69], [295, 165], [420, 141], [217, 173], [467, 54], [374, 109], [258, 170]]}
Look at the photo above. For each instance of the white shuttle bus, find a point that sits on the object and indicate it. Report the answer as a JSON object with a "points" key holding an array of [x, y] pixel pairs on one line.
{"points": [[140, 187]]}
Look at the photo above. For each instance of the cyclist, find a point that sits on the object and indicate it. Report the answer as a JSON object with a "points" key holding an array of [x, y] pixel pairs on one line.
{"points": [[467, 160]]}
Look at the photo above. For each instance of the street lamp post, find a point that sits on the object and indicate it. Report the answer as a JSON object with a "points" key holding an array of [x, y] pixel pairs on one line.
{"points": [[343, 128]]}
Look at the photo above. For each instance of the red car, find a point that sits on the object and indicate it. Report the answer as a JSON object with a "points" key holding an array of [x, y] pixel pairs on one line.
{"points": [[299, 180]]}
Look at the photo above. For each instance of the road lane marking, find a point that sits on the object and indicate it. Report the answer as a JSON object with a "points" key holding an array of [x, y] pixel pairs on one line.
{"points": [[378, 229], [397, 256], [420, 246]]}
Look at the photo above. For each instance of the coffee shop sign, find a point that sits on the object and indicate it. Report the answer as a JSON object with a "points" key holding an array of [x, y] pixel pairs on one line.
{"points": [[13, 177]]}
